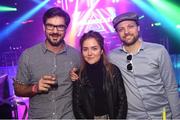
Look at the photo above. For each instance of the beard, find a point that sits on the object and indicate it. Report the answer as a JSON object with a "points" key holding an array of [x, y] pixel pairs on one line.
{"points": [[134, 39], [54, 42]]}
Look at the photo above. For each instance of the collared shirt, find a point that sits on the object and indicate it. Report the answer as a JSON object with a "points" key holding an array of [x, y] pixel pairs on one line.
{"points": [[38, 61], [151, 85]]}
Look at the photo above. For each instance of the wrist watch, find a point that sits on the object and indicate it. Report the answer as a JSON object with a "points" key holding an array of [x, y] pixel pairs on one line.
{"points": [[34, 88]]}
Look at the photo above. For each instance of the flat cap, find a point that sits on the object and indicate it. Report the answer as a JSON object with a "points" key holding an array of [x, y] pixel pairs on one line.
{"points": [[125, 16]]}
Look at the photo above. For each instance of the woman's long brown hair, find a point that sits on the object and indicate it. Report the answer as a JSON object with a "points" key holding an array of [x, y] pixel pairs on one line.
{"points": [[100, 40]]}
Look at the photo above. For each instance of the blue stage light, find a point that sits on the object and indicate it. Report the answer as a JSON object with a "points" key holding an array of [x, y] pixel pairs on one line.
{"points": [[18, 22]]}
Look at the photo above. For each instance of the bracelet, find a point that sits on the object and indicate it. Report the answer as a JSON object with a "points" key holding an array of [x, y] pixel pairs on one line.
{"points": [[35, 88]]}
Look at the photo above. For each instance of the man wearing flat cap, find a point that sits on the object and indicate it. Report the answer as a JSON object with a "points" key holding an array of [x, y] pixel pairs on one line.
{"points": [[147, 71]]}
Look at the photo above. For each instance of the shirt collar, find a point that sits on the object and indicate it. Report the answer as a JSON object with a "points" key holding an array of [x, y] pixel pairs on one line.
{"points": [[121, 48]]}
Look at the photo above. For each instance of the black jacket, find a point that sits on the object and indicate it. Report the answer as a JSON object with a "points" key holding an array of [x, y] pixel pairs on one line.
{"points": [[83, 97]]}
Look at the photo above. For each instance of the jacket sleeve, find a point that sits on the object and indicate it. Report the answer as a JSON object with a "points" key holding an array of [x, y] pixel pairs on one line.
{"points": [[78, 112], [122, 98]]}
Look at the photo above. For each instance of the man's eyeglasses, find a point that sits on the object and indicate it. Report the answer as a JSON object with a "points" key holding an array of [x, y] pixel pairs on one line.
{"points": [[58, 27], [129, 65]]}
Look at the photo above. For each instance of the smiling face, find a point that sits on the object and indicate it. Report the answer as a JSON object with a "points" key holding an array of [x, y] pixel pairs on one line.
{"points": [[91, 51], [128, 32], [55, 30]]}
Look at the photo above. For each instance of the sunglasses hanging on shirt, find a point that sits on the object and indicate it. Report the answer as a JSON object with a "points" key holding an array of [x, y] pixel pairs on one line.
{"points": [[129, 60]]}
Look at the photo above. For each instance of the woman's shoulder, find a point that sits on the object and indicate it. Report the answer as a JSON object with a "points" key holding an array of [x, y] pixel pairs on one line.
{"points": [[114, 67]]}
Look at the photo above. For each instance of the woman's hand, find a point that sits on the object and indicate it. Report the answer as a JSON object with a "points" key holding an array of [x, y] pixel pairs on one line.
{"points": [[73, 74]]}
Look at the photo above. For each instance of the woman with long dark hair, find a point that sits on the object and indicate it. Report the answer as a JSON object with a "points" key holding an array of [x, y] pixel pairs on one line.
{"points": [[98, 89]]}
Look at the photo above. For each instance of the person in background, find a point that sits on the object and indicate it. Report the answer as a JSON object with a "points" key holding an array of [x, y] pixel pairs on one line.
{"points": [[43, 70], [99, 92], [147, 72]]}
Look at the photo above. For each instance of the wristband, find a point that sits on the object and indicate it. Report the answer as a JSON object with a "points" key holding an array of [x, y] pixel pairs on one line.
{"points": [[35, 88]]}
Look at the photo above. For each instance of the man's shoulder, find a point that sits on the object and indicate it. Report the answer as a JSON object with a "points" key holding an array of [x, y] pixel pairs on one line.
{"points": [[153, 45], [154, 48], [33, 49], [71, 51], [71, 48], [114, 52]]}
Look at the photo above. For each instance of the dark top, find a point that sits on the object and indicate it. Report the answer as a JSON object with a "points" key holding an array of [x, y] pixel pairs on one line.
{"points": [[95, 75]]}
